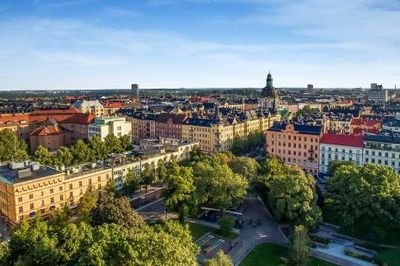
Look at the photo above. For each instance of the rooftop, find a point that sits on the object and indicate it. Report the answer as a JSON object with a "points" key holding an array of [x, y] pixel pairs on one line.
{"points": [[300, 128], [344, 140], [383, 138], [13, 173]]}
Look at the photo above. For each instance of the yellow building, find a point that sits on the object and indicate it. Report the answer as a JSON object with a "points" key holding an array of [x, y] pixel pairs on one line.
{"points": [[217, 134], [28, 189]]}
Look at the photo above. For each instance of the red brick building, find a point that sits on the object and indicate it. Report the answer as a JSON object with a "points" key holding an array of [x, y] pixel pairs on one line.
{"points": [[169, 125]]}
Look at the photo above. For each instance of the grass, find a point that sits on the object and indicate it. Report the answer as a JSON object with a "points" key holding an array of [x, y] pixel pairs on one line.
{"points": [[274, 255], [198, 230], [389, 256]]}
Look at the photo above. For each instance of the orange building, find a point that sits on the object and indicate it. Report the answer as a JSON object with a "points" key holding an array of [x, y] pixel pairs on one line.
{"points": [[295, 144], [360, 126]]}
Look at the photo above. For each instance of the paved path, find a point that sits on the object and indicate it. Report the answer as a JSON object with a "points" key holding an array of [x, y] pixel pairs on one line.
{"points": [[267, 232]]}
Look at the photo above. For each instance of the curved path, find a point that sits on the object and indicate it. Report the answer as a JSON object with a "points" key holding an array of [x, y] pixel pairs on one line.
{"points": [[267, 232]]}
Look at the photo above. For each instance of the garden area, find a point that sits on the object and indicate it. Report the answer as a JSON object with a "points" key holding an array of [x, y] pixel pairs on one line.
{"points": [[198, 230], [274, 255]]}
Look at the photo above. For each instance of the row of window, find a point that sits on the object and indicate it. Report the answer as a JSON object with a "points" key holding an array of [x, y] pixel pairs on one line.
{"points": [[298, 138], [296, 145]]}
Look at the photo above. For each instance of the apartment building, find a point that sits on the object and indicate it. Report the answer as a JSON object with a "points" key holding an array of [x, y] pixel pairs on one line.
{"points": [[365, 125], [295, 144], [169, 125], [117, 126], [28, 189], [93, 107], [383, 149], [143, 125], [339, 148]]}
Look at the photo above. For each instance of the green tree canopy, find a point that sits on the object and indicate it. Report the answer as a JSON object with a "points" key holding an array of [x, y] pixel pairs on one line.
{"points": [[108, 244], [217, 185], [125, 141], [63, 157], [244, 166], [11, 147], [289, 193], [179, 191], [80, 152], [299, 250], [98, 149], [113, 144], [220, 259], [87, 203], [112, 209], [43, 156], [370, 193]]}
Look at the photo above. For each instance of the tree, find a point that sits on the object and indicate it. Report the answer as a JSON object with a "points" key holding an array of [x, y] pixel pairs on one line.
{"points": [[147, 176], [63, 157], [289, 193], [111, 209], [80, 152], [86, 204], [60, 217], [220, 259], [43, 156], [12, 148], [244, 166], [217, 186], [179, 191], [113, 144], [131, 182], [367, 195], [125, 141], [161, 170], [335, 164], [226, 225], [299, 249], [98, 149]]}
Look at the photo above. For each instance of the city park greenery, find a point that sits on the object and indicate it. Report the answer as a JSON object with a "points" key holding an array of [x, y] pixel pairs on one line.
{"points": [[115, 235], [11, 147], [365, 201]]}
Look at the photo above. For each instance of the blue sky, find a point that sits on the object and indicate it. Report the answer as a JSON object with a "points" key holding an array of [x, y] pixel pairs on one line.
{"points": [[56, 44]]}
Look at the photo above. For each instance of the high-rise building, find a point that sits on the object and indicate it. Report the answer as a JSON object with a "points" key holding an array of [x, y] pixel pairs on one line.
{"points": [[310, 88], [135, 90]]}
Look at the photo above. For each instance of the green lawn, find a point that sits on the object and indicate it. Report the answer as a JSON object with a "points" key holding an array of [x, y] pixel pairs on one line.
{"points": [[390, 256], [198, 230], [273, 255]]}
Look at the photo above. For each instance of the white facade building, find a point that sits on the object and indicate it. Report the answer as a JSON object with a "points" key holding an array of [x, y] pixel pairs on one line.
{"points": [[117, 126]]}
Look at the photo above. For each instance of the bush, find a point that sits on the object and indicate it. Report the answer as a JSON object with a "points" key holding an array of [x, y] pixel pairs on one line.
{"points": [[226, 225]]}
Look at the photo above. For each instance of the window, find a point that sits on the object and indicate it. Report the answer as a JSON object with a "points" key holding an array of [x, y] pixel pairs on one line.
{"points": [[99, 178], [42, 203], [61, 197], [32, 206], [21, 209], [70, 186], [30, 196], [80, 183], [51, 190], [52, 200], [99, 186], [90, 181], [60, 188], [81, 192], [71, 194], [20, 199]]}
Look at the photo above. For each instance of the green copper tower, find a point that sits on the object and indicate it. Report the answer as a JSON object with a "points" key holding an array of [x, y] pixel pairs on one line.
{"points": [[269, 90]]}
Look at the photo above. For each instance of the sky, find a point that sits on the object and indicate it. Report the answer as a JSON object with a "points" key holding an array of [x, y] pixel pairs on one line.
{"points": [[72, 44]]}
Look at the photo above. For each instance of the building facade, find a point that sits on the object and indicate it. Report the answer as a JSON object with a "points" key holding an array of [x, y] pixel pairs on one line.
{"points": [[383, 149], [335, 147], [28, 189], [93, 107], [295, 144], [117, 126]]}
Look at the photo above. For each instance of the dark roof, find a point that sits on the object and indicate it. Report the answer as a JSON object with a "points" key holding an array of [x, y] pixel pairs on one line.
{"points": [[302, 129], [385, 138], [201, 122], [176, 118]]}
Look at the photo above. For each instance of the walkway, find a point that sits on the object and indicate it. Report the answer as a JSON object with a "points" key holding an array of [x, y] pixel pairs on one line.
{"points": [[267, 232]]}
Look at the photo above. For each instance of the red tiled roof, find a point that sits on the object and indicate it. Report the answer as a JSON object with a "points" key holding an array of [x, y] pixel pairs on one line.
{"points": [[113, 105], [14, 119], [364, 122], [345, 140], [70, 110], [361, 131], [48, 130], [74, 118]]}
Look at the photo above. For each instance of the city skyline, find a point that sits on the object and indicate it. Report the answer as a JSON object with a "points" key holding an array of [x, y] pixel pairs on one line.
{"points": [[48, 44]]}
